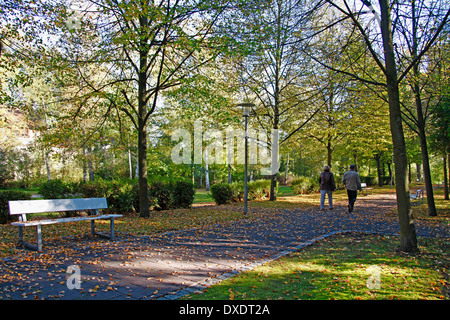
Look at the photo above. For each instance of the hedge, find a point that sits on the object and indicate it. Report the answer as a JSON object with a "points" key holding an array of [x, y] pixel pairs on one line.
{"points": [[10, 195], [305, 185]]}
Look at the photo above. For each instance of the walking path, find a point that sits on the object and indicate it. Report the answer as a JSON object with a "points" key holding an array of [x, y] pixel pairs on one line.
{"points": [[173, 264]]}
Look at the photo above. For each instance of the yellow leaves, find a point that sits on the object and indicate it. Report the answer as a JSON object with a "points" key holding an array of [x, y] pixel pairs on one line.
{"points": [[94, 289], [232, 295]]}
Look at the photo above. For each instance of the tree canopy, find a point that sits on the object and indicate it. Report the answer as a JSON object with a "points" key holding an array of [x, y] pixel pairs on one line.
{"points": [[104, 85]]}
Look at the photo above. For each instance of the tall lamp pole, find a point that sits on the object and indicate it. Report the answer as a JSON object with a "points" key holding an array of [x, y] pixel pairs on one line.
{"points": [[246, 107]]}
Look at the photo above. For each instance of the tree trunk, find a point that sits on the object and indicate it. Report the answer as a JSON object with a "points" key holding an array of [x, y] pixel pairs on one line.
{"points": [[47, 163], [229, 164], [208, 186], [329, 153], [273, 185], [287, 170], [445, 178], [144, 205], [408, 239], [390, 171], [380, 177], [409, 171], [130, 164], [427, 173]]}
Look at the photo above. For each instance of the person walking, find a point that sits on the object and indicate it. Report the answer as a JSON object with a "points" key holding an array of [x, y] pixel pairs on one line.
{"points": [[327, 186], [352, 183]]}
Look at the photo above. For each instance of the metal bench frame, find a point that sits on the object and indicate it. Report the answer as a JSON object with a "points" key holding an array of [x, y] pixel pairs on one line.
{"points": [[92, 205], [417, 196], [365, 189]]}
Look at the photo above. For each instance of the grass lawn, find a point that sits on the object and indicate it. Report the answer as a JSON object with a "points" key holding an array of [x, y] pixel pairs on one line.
{"points": [[339, 267], [202, 196], [356, 267]]}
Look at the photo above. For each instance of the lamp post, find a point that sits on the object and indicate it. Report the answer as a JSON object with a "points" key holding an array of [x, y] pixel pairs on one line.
{"points": [[246, 108]]}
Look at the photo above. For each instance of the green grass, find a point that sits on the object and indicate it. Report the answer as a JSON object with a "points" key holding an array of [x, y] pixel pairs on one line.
{"points": [[285, 191], [202, 196], [339, 268]]}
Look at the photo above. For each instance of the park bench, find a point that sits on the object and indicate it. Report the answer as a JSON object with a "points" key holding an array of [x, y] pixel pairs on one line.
{"points": [[92, 205], [365, 189], [417, 196]]}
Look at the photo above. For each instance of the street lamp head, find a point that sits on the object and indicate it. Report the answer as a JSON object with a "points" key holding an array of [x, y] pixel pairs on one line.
{"points": [[246, 108]]}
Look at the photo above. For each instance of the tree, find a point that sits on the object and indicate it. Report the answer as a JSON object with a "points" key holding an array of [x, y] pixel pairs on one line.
{"points": [[147, 47], [415, 21], [274, 69], [440, 136], [388, 65]]}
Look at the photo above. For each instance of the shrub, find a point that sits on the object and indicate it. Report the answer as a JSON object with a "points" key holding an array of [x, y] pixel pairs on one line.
{"points": [[237, 191], [370, 181], [89, 189], [183, 194], [305, 185], [135, 196], [221, 193], [165, 195], [9, 195], [259, 189], [55, 189], [119, 194], [162, 194]]}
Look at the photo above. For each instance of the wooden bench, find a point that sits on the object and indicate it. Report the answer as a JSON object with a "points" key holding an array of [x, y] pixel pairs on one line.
{"points": [[365, 189], [417, 196], [24, 207]]}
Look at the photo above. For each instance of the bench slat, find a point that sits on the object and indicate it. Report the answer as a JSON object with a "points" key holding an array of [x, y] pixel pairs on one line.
{"points": [[56, 205], [63, 220]]}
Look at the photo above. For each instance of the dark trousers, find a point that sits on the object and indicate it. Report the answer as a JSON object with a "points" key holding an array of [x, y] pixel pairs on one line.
{"points": [[352, 198]]}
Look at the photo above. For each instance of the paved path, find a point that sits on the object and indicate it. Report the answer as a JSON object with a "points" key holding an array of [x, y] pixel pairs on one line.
{"points": [[170, 265]]}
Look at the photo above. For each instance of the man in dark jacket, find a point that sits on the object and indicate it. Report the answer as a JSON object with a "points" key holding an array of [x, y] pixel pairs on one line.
{"points": [[327, 186]]}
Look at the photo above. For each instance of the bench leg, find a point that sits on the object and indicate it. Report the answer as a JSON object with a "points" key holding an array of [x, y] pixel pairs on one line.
{"points": [[111, 234], [39, 243], [39, 237], [111, 229], [20, 234], [93, 227]]}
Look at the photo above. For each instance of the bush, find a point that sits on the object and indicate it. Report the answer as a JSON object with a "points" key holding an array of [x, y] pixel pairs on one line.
{"points": [[55, 189], [370, 181], [221, 193], [9, 195], [119, 194], [259, 189], [165, 195], [183, 194], [305, 185], [91, 189], [135, 196], [237, 191], [162, 194]]}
